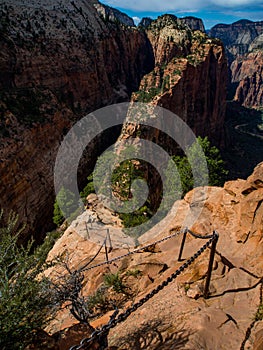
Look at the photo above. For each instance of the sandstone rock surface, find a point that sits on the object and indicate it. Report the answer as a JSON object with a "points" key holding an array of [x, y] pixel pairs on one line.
{"points": [[178, 317]]}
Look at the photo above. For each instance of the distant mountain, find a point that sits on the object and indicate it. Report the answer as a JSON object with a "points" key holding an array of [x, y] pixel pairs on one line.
{"points": [[238, 36], [243, 41], [112, 14]]}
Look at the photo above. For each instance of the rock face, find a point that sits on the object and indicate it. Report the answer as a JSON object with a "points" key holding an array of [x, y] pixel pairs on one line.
{"points": [[109, 13], [145, 22], [61, 61], [57, 62], [178, 316], [185, 61], [238, 36], [241, 39], [247, 73], [193, 23]]}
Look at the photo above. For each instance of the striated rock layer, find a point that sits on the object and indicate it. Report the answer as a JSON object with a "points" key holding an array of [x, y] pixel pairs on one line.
{"points": [[237, 36], [243, 39]]}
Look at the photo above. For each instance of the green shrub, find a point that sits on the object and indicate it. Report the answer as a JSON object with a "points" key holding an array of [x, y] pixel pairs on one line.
{"points": [[88, 189], [115, 281], [24, 302], [66, 200]]}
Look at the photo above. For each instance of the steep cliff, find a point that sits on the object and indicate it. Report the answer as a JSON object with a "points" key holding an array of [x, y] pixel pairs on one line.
{"points": [[58, 61], [109, 13], [241, 38], [193, 23], [189, 77], [62, 60], [247, 73]]}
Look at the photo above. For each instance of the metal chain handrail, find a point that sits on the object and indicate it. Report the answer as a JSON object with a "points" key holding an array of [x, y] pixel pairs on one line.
{"points": [[124, 315], [119, 257]]}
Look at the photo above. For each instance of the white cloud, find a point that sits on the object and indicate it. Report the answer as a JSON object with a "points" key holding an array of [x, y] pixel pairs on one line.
{"points": [[137, 20], [235, 3]]}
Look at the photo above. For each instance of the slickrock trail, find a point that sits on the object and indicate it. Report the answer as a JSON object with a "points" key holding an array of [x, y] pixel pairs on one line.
{"points": [[178, 317]]}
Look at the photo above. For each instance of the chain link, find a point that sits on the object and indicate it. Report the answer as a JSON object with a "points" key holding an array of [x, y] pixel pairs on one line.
{"points": [[124, 315]]}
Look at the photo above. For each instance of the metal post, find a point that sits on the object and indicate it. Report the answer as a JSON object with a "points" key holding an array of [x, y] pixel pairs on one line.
{"points": [[182, 245], [106, 252], [210, 266], [108, 236], [87, 230]]}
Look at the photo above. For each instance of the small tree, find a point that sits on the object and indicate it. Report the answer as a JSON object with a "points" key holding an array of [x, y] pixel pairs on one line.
{"points": [[24, 305]]}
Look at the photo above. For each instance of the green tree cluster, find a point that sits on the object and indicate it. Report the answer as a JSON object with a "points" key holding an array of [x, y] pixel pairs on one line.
{"points": [[214, 163]]}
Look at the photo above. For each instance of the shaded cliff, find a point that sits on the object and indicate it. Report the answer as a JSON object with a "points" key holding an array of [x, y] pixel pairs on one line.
{"points": [[58, 61], [247, 74]]}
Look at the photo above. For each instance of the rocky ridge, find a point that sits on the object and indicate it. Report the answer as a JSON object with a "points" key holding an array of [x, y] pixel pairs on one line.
{"points": [[184, 61], [193, 23], [178, 316]]}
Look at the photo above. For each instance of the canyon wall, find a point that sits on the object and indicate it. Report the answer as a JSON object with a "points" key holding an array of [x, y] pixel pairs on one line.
{"points": [[247, 73], [57, 63], [237, 36], [189, 79], [243, 42]]}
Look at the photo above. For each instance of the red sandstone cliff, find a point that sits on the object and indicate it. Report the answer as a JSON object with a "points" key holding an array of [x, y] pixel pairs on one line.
{"points": [[247, 73], [241, 39]]}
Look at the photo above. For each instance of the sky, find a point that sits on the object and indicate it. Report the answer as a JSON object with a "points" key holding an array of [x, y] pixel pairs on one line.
{"points": [[212, 12]]}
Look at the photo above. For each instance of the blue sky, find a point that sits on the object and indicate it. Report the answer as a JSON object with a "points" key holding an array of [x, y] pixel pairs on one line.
{"points": [[211, 11]]}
